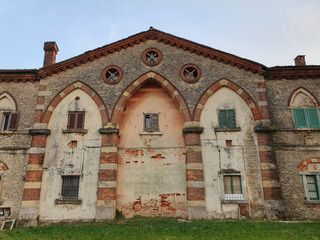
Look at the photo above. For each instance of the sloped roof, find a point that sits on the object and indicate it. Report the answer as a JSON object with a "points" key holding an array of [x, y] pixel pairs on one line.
{"points": [[154, 34], [278, 72]]}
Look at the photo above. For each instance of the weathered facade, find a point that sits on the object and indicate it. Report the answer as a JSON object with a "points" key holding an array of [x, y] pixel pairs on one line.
{"points": [[156, 125]]}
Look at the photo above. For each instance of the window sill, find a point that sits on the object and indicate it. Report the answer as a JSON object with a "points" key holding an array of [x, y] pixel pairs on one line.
{"points": [[6, 132], [68, 201], [150, 133], [238, 129], [312, 202], [234, 201], [74, 131]]}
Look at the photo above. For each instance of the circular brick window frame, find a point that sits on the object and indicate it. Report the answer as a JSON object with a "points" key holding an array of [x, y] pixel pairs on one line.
{"points": [[149, 53], [112, 70], [188, 75]]}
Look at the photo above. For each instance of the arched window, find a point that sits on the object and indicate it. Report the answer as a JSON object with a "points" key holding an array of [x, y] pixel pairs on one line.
{"points": [[8, 112], [305, 109]]}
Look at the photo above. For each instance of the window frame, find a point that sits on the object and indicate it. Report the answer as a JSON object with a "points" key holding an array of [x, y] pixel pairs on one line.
{"points": [[307, 113], [228, 122], [63, 190], [306, 188], [9, 121], [232, 196], [153, 122], [75, 122]]}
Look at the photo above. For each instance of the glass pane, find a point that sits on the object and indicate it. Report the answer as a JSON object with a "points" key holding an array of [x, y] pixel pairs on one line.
{"points": [[6, 122], [312, 187]]}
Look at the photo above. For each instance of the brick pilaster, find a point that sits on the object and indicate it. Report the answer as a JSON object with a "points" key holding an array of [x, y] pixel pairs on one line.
{"points": [[194, 172], [107, 181], [33, 179]]}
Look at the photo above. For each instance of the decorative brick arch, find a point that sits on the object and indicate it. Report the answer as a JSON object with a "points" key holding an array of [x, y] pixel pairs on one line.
{"points": [[10, 97], [308, 161], [77, 85], [3, 166], [305, 91], [129, 91], [234, 87]]}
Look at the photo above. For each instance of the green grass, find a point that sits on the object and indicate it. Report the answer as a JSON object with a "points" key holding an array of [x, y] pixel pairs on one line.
{"points": [[169, 228]]}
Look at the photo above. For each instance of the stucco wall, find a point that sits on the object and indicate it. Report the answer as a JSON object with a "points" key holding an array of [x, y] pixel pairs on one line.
{"points": [[79, 158], [152, 168], [242, 156]]}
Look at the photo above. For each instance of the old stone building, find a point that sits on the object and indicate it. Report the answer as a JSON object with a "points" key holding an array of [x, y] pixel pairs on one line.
{"points": [[157, 125]]}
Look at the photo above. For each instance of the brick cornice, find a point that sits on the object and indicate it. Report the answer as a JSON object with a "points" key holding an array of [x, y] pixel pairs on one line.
{"points": [[293, 72], [154, 34], [26, 75]]}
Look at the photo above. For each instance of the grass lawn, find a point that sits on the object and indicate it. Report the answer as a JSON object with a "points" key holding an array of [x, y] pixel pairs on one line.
{"points": [[169, 228]]}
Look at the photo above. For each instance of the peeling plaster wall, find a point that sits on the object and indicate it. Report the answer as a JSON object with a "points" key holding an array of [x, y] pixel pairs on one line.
{"points": [[64, 158], [152, 168], [241, 156]]}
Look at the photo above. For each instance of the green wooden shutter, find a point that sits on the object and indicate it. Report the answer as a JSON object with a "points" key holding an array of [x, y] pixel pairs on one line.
{"points": [[300, 116], [313, 117], [222, 118], [231, 118]]}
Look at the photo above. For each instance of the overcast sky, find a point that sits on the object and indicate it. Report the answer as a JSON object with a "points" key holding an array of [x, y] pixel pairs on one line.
{"points": [[271, 32]]}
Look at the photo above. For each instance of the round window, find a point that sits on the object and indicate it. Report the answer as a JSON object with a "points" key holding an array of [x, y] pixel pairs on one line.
{"points": [[151, 56], [111, 74], [190, 73]]}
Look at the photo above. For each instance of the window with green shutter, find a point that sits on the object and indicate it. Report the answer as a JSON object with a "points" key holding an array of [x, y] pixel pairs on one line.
{"points": [[227, 118], [306, 117]]}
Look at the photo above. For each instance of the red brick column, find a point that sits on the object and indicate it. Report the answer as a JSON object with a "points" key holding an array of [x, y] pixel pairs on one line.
{"points": [[269, 169], [32, 187], [107, 182], [194, 172], [268, 164]]}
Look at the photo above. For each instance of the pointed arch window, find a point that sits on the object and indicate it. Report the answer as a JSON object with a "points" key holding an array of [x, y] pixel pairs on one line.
{"points": [[305, 109], [8, 113]]}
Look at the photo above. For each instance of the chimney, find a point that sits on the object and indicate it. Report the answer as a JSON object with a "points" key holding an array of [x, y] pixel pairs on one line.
{"points": [[50, 53], [300, 61]]}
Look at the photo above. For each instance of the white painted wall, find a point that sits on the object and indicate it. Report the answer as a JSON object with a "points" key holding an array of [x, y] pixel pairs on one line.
{"points": [[61, 159], [216, 156]]}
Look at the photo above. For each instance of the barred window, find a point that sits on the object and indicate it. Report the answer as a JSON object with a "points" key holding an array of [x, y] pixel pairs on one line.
{"points": [[70, 187], [232, 187]]}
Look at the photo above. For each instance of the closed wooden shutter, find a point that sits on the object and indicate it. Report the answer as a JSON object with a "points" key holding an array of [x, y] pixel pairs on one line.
{"points": [[13, 121], [222, 118], [155, 122], [71, 121], [300, 116], [313, 117], [80, 120], [231, 118]]}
